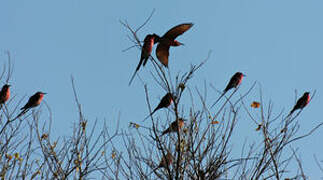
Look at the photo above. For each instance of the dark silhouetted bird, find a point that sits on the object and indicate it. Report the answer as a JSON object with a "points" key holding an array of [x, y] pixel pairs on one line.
{"points": [[168, 39], [164, 103], [146, 49], [174, 126], [33, 101], [301, 102], [4, 93], [234, 82]]}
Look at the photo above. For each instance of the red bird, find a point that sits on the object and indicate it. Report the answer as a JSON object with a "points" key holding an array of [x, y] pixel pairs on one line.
{"points": [[146, 49], [174, 126], [4, 93], [33, 101], [301, 102], [234, 82], [164, 103], [168, 39]]}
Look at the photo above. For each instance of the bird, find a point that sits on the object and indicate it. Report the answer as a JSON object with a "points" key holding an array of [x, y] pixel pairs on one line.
{"points": [[234, 82], [168, 39], [4, 93], [146, 50], [164, 103], [33, 101], [174, 126], [301, 102], [166, 161]]}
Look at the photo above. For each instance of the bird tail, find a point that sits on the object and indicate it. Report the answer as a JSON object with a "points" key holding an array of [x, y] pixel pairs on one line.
{"points": [[291, 112], [21, 113], [137, 68], [132, 77], [219, 98], [150, 114]]}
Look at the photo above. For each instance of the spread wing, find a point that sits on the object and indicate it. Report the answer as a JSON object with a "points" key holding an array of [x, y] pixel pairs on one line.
{"points": [[177, 30], [162, 53]]}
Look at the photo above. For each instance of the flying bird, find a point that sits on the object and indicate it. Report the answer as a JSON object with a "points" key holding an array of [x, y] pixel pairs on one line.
{"points": [[174, 126], [4, 93], [33, 101], [146, 49], [234, 82], [164, 103], [301, 102], [168, 39]]}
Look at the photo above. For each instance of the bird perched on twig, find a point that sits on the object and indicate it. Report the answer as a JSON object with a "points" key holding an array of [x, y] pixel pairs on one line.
{"points": [[234, 82], [301, 102], [174, 126], [164, 103], [146, 49], [33, 101], [168, 39], [4, 93]]}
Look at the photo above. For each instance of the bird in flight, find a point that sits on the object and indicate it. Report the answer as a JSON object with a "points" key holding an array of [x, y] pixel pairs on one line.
{"points": [[164, 103], [146, 49], [234, 82], [301, 102], [168, 39], [33, 101]]}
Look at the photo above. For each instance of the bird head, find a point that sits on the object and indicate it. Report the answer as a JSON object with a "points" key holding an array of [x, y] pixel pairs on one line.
{"points": [[156, 38], [40, 93], [6, 86]]}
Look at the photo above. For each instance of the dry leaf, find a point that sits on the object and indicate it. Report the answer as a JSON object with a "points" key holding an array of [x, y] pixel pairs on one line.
{"points": [[255, 104], [259, 127], [215, 122]]}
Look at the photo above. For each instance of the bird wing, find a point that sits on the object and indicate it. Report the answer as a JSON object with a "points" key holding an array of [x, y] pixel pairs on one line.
{"points": [[177, 30], [162, 53], [31, 101]]}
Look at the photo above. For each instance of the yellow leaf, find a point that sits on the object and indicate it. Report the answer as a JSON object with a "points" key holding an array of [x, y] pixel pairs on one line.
{"points": [[16, 155], [215, 122], [255, 104]]}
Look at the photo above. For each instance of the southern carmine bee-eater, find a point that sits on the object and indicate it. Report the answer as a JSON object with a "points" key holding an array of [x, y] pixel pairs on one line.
{"points": [[234, 82], [146, 49], [301, 102], [164, 103], [4, 93], [174, 126], [33, 101], [168, 39], [165, 162]]}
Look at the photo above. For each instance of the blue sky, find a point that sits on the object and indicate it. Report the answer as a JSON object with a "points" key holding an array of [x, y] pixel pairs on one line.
{"points": [[277, 43]]}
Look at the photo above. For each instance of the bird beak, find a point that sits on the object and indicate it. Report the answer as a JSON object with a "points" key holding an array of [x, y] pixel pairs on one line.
{"points": [[44, 93], [244, 75]]}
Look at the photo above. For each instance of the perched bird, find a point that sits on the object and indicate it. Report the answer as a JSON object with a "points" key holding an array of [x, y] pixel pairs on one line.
{"points": [[4, 93], [174, 126], [234, 82], [166, 161], [301, 102], [33, 101], [168, 39], [146, 49], [164, 103]]}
